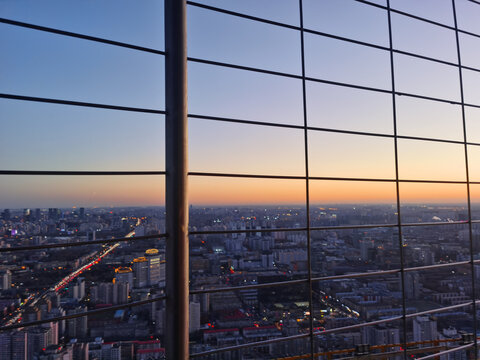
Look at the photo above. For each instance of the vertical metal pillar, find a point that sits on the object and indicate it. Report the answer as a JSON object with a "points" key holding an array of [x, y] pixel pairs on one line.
{"points": [[177, 269]]}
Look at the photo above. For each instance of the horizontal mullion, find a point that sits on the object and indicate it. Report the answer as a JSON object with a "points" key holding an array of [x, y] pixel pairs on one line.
{"points": [[445, 352], [80, 36], [328, 228], [80, 172], [85, 313], [82, 243], [315, 128], [80, 103], [242, 67], [438, 223], [241, 15], [329, 178], [248, 287], [395, 318], [249, 345], [442, 309], [243, 231], [356, 275], [388, 272]]}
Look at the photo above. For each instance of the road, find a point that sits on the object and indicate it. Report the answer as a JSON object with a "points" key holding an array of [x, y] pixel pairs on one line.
{"points": [[32, 299]]}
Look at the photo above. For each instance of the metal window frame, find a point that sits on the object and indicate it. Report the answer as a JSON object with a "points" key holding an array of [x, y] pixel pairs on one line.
{"points": [[176, 206]]}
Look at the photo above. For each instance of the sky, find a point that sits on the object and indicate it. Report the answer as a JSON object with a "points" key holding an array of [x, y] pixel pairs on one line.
{"points": [[57, 137]]}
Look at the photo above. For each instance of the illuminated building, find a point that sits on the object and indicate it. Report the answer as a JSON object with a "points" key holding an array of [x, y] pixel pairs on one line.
{"points": [[140, 272], [124, 274], [153, 273]]}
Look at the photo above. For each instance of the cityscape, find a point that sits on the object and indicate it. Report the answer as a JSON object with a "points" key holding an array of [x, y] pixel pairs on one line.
{"points": [[240, 180], [270, 248]]}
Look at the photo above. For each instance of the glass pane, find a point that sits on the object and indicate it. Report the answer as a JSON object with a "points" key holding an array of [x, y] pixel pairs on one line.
{"points": [[219, 191], [469, 46], [246, 316], [60, 137], [419, 37], [427, 78], [384, 341], [341, 61], [475, 200], [441, 244], [430, 160], [344, 302], [353, 156], [79, 70], [341, 252], [430, 202], [223, 92], [429, 119], [471, 86], [468, 13], [472, 120], [129, 22], [336, 203], [338, 107], [436, 10], [473, 162], [348, 19], [242, 41], [286, 11], [243, 259], [241, 148], [437, 288], [86, 191]]}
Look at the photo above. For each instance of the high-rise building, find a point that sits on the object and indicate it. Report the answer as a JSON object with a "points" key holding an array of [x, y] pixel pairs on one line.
{"points": [[5, 279], [124, 274], [153, 259], [424, 328], [19, 345], [194, 316], [140, 272]]}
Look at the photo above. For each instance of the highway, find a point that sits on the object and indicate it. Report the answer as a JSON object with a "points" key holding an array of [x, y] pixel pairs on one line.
{"points": [[32, 299]]}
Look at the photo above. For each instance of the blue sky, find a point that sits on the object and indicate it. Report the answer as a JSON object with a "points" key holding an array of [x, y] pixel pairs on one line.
{"points": [[57, 137]]}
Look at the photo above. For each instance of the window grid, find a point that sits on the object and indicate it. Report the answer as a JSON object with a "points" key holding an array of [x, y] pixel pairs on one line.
{"points": [[306, 128]]}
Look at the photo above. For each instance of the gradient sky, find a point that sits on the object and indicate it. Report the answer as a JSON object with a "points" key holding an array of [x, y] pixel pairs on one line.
{"points": [[57, 137]]}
